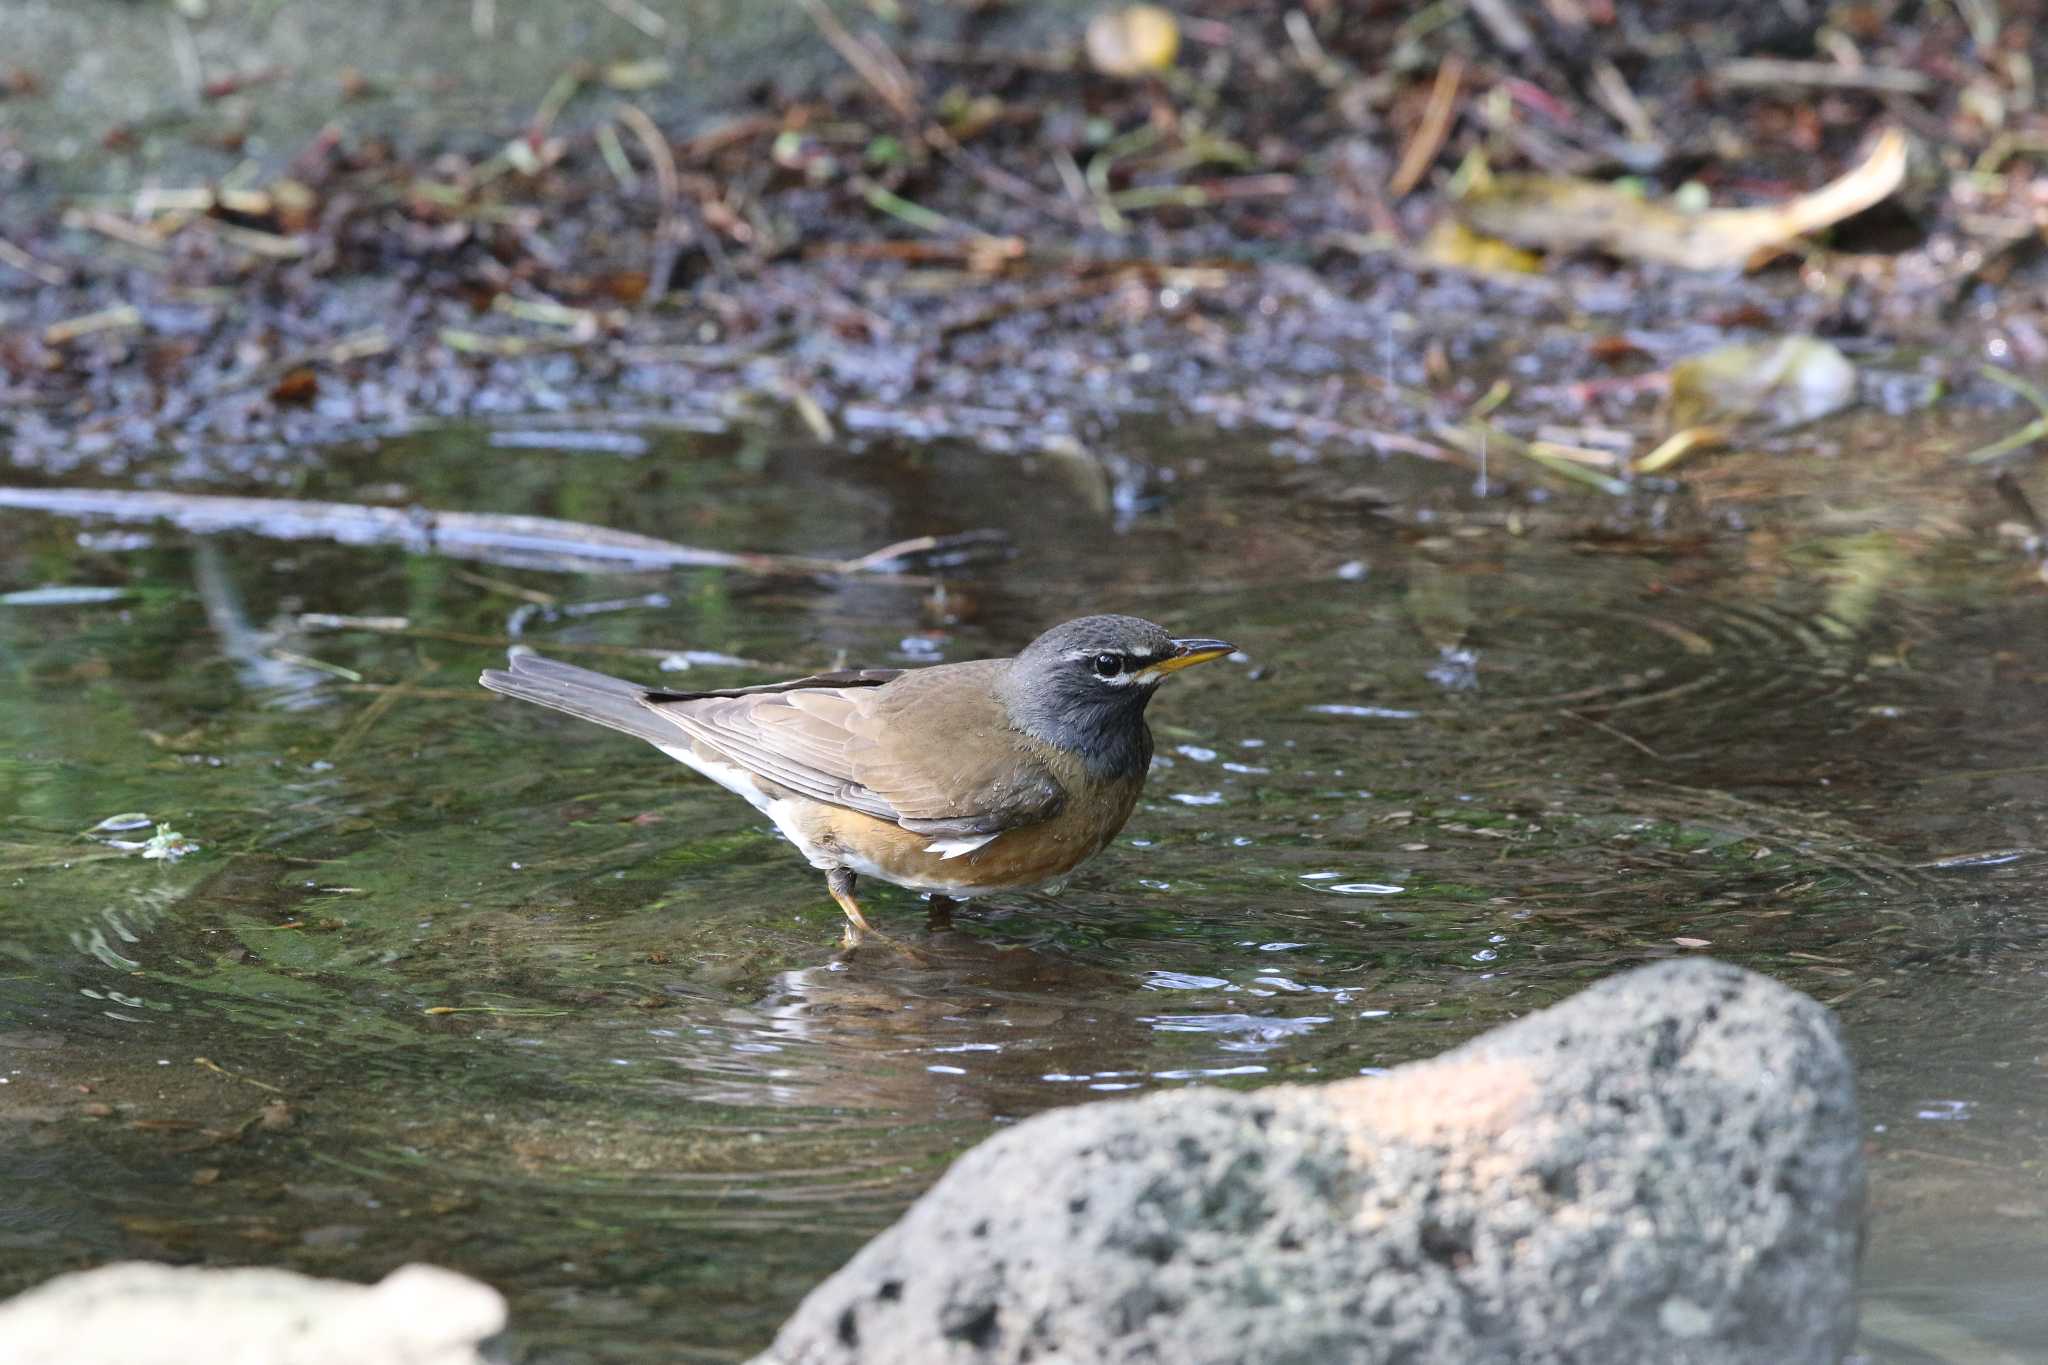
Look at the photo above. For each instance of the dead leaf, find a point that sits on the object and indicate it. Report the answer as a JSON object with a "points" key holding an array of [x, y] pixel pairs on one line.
{"points": [[1136, 40], [1678, 445], [1560, 214], [1784, 383], [297, 389], [1451, 243]]}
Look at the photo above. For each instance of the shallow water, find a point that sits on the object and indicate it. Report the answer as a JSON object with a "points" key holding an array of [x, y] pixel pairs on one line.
{"points": [[458, 980]]}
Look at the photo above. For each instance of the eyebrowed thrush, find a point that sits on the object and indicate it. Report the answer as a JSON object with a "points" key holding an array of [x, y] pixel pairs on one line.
{"points": [[959, 779]]}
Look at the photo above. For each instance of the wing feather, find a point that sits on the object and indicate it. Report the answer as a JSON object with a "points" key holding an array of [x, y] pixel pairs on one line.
{"points": [[934, 754]]}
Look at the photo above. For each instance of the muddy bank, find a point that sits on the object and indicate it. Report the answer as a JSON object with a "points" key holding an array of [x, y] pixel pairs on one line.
{"points": [[958, 227]]}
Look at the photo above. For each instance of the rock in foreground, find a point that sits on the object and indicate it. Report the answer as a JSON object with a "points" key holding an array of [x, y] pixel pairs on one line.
{"points": [[1666, 1167], [140, 1313]]}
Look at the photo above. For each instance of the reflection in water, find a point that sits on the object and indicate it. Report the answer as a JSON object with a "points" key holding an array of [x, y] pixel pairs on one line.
{"points": [[962, 1022], [261, 663], [475, 986]]}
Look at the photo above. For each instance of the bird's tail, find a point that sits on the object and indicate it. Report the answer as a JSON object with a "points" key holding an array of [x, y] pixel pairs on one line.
{"points": [[611, 702]]}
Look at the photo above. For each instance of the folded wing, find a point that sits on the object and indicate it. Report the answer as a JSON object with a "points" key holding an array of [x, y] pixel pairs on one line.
{"points": [[932, 752]]}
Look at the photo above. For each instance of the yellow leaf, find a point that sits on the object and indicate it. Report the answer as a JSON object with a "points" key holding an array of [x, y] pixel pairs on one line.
{"points": [[1560, 214], [1136, 40]]}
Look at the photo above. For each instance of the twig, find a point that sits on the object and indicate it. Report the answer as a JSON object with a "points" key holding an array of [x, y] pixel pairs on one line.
{"points": [[1773, 73], [1621, 735], [468, 342], [218, 1069], [1504, 24], [355, 346], [377, 709], [547, 313], [1429, 134], [114, 226], [715, 140], [271, 244], [2032, 431], [1471, 437], [520, 541], [10, 254], [895, 86], [556, 98], [885, 200], [1620, 101], [886, 78], [1058, 61], [809, 409], [1201, 196], [381, 690], [533, 595], [639, 16], [287, 656], [672, 232], [1310, 50], [614, 155], [118, 318]]}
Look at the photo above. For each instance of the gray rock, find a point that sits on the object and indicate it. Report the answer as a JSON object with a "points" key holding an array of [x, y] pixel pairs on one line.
{"points": [[1666, 1167], [139, 1313]]}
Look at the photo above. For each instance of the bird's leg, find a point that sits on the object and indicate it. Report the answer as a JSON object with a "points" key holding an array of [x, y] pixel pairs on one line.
{"points": [[839, 881], [938, 913]]}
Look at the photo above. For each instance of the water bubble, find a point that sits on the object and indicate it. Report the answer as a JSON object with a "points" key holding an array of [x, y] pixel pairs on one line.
{"points": [[1353, 888], [1246, 1032], [1199, 798], [1201, 1072], [1195, 752], [1183, 981], [1945, 1111]]}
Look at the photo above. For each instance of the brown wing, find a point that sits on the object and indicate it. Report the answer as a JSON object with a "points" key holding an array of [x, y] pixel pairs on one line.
{"points": [[932, 750], [851, 677]]}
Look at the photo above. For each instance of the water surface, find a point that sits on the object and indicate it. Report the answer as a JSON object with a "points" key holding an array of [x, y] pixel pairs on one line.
{"points": [[459, 980]]}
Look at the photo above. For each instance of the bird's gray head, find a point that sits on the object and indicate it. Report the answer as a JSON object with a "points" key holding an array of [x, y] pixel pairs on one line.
{"points": [[1083, 686]]}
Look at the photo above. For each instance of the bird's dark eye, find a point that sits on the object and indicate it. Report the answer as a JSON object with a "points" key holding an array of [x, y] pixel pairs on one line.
{"points": [[1108, 665]]}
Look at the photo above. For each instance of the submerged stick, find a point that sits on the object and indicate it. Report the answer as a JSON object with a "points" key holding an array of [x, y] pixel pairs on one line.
{"points": [[488, 537]]}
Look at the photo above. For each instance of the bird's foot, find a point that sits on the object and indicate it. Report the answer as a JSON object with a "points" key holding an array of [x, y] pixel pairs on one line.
{"points": [[938, 915], [839, 882]]}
